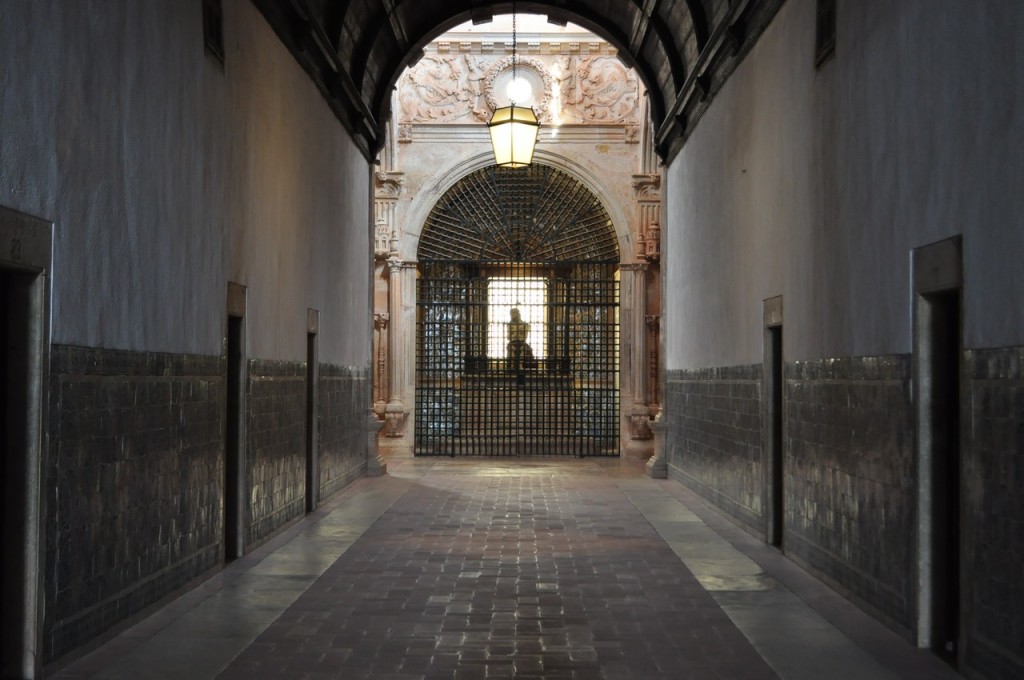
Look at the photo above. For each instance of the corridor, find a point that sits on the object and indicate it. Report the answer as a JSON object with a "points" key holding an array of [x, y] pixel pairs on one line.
{"points": [[510, 568]]}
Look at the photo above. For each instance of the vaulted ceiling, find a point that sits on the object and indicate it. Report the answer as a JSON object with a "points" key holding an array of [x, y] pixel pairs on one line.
{"points": [[355, 50]]}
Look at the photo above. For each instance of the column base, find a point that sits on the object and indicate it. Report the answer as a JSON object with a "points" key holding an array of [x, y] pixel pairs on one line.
{"points": [[657, 466], [375, 464], [396, 449], [394, 419], [639, 449]]}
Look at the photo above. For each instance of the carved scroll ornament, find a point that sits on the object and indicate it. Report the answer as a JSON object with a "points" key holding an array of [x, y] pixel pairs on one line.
{"points": [[599, 90], [443, 89]]}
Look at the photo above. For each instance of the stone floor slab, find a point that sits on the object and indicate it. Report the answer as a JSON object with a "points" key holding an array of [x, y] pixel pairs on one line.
{"points": [[504, 568]]}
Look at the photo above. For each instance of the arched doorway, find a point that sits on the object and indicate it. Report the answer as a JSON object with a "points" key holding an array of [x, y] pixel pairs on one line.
{"points": [[517, 319]]}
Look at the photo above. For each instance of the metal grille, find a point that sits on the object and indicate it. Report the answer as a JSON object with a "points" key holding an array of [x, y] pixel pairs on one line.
{"points": [[542, 382], [533, 214], [539, 380]]}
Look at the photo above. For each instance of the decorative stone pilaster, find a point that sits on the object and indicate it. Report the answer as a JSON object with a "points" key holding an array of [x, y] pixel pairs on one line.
{"points": [[657, 466], [638, 415], [647, 193], [375, 464], [654, 361], [405, 363], [394, 412], [387, 189], [380, 385]]}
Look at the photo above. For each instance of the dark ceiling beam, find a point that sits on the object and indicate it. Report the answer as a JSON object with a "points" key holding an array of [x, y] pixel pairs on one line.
{"points": [[391, 18], [391, 32], [641, 26], [334, 20], [700, 22], [363, 49], [397, 27], [648, 19], [304, 37], [676, 119], [726, 47], [672, 52]]}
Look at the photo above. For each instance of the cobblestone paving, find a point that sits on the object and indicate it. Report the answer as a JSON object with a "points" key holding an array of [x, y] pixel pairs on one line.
{"points": [[495, 570]]}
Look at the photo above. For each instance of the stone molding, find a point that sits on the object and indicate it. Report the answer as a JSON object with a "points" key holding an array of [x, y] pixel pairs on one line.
{"points": [[530, 68]]}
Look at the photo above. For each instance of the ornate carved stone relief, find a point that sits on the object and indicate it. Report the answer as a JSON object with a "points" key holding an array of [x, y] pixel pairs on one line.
{"points": [[382, 235], [647, 193], [387, 188], [380, 324], [443, 89], [598, 90], [647, 187], [389, 184], [466, 88]]}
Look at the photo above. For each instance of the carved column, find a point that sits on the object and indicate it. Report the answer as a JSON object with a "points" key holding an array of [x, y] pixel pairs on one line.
{"points": [[654, 363], [375, 465], [638, 414], [394, 412], [407, 379], [388, 186], [387, 189], [380, 384], [657, 465], [647, 193]]}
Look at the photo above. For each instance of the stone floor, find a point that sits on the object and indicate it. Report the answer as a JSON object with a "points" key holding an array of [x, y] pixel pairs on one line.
{"points": [[493, 568]]}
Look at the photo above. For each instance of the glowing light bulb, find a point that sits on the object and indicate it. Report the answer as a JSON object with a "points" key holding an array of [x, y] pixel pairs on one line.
{"points": [[519, 90]]}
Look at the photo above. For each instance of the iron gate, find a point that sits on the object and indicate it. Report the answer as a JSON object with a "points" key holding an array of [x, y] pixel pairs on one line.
{"points": [[517, 319], [517, 359]]}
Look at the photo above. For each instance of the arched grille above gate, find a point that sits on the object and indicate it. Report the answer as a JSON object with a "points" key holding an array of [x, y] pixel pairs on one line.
{"points": [[532, 214], [517, 347]]}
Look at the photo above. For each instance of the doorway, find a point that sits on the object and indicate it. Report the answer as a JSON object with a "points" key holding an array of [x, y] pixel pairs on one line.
{"points": [[312, 408], [938, 349], [25, 247], [773, 465], [234, 440], [943, 395]]}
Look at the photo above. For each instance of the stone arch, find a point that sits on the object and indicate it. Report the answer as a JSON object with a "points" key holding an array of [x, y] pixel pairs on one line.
{"points": [[421, 206], [539, 213]]}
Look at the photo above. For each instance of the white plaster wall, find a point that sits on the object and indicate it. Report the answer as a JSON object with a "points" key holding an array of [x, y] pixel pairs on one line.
{"points": [[167, 176], [299, 191], [816, 184]]}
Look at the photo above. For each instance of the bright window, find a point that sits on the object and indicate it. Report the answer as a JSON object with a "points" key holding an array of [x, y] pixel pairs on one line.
{"points": [[527, 294]]}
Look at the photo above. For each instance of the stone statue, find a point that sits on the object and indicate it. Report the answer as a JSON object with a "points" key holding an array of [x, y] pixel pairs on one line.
{"points": [[520, 354]]}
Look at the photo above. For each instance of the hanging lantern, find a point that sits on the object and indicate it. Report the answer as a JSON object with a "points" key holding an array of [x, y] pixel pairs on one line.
{"points": [[513, 128], [513, 135]]}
